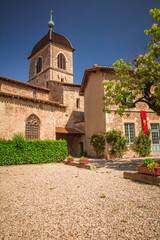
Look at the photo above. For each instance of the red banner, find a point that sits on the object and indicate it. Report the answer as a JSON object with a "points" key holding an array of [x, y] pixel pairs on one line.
{"points": [[144, 122]]}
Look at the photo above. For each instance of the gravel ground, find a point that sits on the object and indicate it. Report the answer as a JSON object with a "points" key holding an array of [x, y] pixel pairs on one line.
{"points": [[57, 201]]}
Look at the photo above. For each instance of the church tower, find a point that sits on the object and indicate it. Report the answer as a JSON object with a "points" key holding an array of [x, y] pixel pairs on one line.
{"points": [[51, 59]]}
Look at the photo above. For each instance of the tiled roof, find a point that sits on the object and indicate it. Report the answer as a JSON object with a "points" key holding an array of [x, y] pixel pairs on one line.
{"points": [[36, 100], [24, 84], [65, 83], [55, 37], [69, 130], [95, 68]]}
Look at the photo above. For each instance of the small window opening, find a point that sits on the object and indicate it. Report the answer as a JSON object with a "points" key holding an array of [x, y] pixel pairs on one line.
{"points": [[34, 94], [39, 65], [62, 79], [78, 103]]}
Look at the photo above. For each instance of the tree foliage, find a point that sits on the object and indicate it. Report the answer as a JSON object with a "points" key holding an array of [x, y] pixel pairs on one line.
{"points": [[138, 81]]}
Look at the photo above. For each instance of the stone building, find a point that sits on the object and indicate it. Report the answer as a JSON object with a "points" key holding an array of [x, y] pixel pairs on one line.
{"points": [[96, 120], [49, 106]]}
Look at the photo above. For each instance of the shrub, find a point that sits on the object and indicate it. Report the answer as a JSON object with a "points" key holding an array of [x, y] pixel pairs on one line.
{"points": [[33, 151], [19, 140], [143, 144], [98, 143], [117, 141]]}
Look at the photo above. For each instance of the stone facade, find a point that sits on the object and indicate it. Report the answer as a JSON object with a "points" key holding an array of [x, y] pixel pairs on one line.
{"points": [[96, 120], [53, 99], [50, 70], [50, 96]]}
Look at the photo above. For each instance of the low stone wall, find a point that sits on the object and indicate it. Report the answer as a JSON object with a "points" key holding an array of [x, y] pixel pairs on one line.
{"points": [[80, 165], [155, 180]]}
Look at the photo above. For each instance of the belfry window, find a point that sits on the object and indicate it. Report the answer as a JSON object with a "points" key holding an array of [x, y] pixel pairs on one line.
{"points": [[61, 61], [32, 127], [39, 65]]}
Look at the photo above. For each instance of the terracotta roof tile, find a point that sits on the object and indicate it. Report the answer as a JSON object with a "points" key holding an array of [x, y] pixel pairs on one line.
{"points": [[24, 84], [55, 37], [69, 130], [36, 100]]}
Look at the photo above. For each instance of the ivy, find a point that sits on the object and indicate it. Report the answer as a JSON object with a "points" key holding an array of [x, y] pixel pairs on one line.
{"points": [[117, 141], [98, 143], [143, 144]]}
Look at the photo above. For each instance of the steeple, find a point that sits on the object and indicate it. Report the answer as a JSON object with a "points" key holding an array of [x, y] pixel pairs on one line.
{"points": [[50, 24]]}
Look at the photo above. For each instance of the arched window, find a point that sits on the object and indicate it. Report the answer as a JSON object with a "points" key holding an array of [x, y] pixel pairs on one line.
{"points": [[61, 61], [32, 127], [39, 65]]}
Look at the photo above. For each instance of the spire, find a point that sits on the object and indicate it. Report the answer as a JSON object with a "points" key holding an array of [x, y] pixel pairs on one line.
{"points": [[50, 24]]}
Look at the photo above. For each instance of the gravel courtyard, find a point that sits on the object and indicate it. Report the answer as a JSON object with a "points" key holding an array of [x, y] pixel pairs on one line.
{"points": [[56, 201]]}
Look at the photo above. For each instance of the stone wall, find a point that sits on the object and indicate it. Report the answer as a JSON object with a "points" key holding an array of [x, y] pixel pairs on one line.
{"points": [[97, 121], [22, 89], [14, 113], [56, 91], [50, 71], [58, 74]]}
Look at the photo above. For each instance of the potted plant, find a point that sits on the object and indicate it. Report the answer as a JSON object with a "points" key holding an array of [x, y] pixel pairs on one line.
{"points": [[148, 166], [83, 160], [70, 158]]}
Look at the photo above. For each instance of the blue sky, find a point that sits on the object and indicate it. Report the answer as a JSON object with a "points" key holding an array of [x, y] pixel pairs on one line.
{"points": [[101, 31]]}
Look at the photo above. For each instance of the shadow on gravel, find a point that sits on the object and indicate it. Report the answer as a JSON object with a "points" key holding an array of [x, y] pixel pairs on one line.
{"points": [[119, 164]]}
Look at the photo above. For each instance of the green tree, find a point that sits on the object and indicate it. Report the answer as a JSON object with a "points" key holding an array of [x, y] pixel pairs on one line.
{"points": [[138, 81]]}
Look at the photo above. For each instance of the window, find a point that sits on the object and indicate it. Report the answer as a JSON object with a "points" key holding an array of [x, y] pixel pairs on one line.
{"points": [[61, 61], [155, 133], [78, 103], [34, 94], [39, 65], [129, 132], [32, 127], [62, 79]]}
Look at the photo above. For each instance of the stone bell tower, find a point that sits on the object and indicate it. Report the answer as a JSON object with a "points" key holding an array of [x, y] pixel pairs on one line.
{"points": [[51, 59]]}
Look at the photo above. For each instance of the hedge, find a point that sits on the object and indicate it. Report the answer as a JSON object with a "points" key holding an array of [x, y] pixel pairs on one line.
{"points": [[32, 151]]}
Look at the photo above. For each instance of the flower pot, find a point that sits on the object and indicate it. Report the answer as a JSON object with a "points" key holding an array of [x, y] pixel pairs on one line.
{"points": [[84, 162], [146, 171], [70, 160]]}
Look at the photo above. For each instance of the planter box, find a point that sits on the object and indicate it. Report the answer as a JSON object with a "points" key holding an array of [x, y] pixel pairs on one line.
{"points": [[146, 171], [70, 160], [84, 162]]}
